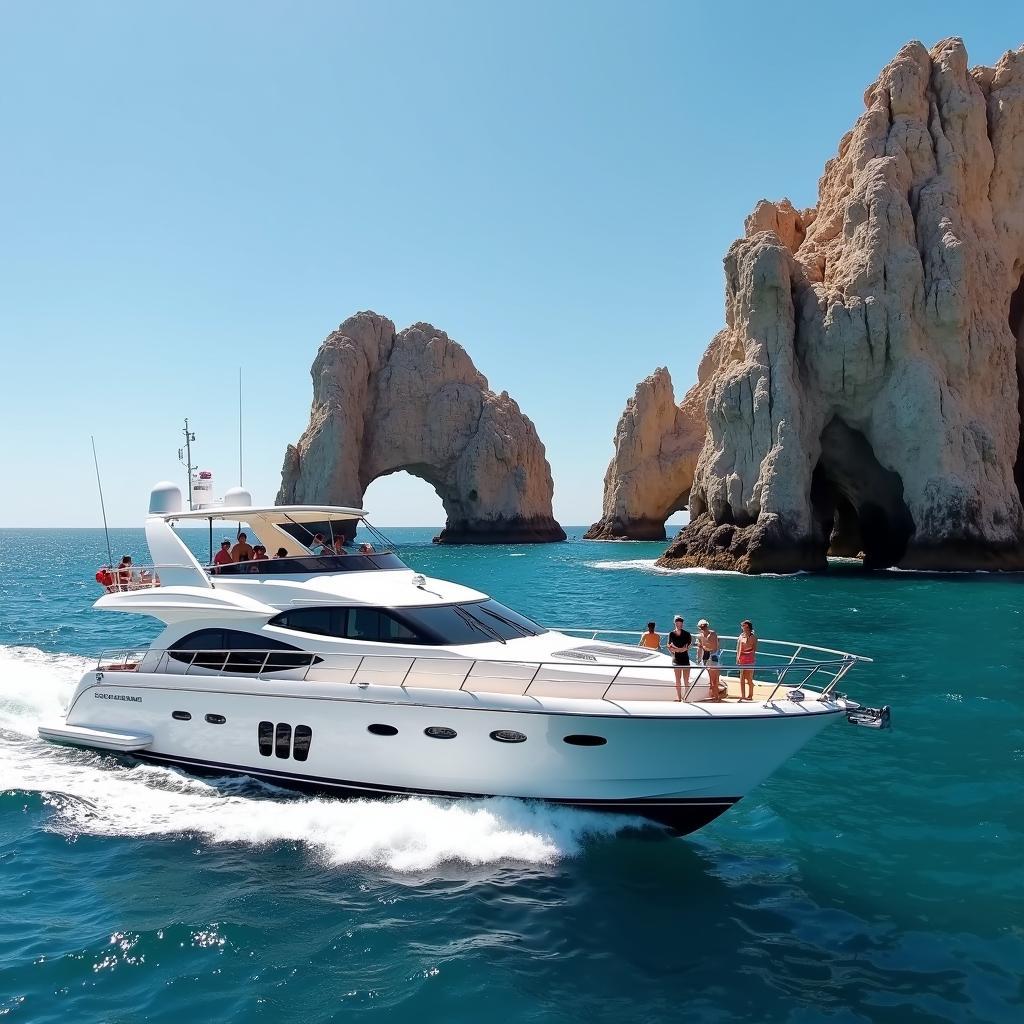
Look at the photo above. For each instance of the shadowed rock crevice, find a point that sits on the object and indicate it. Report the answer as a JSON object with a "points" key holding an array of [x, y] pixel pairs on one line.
{"points": [[1017, 330], [857, 502], [413, 400]]}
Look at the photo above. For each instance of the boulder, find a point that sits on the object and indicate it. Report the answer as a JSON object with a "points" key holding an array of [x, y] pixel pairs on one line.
{"points": [[871, 401], [413, 400]]}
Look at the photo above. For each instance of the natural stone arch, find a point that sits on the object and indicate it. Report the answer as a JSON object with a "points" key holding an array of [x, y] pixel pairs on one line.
{"points": [[887, 307], [413, 400]]}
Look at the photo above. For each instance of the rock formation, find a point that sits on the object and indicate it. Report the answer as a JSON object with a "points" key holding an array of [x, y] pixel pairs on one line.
{"points": [[414, 401], [869, 393], [656, 447]]}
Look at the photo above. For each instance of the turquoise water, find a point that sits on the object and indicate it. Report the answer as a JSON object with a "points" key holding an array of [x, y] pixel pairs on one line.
{"points": [[877, 877]]}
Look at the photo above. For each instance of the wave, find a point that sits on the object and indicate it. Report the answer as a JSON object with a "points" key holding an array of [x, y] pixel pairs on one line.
{"points": [[88, 793], [650, 565]]}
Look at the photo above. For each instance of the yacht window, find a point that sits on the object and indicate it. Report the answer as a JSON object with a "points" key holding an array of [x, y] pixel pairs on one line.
{"points": [[508, 736], [375, 624], [372, 624], [586, 741], [216, 719], [181, 716], [440, 732], [283, 740], [382, 730], [265, 736], [231, 650], [303, 738], [475, 623]]}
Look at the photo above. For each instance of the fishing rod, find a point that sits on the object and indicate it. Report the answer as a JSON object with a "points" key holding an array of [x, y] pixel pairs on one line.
{"points": [[103, 507]]}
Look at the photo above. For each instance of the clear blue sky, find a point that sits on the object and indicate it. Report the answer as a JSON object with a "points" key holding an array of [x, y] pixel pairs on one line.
{"points": [[191, 186]]}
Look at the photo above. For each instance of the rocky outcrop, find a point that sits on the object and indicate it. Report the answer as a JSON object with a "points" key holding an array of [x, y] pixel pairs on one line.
{"points": [[413, 400], [656, 447], [871, 396]]}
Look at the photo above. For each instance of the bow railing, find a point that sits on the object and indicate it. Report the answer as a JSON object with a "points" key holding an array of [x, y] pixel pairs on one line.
{"points": [[790, 666]]}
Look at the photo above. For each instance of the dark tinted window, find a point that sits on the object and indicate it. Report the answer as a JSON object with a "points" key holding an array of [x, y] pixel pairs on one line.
{"points": [[382, 730], [440, 732], [303, 738], [372, 624], [586, 741], [266, 738], [216, 719], [232, 650], [181, 716], [448, 624], [283, 739], [508, 736], [479, 622], [508, 622]]}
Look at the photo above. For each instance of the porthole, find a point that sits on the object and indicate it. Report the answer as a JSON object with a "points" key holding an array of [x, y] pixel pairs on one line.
{"points": [[303, 738], [440, 732], [265, 735], [216, 719], [586, 741], [181, 716], [508, 736], [382, 730], [283, 740]]}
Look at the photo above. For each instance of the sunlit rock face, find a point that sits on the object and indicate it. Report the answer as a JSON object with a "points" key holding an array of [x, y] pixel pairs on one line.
{"points": [[868, 395], [413, 400], [657, 443]]}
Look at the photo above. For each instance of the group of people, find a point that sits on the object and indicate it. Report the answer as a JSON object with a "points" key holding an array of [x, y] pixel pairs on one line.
{"points": [[243, 551], [322, 546], [709, 654]]}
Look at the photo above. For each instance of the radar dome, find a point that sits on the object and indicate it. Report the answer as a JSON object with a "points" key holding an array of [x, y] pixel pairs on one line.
{"points": [[164, 499], [237, 497]]}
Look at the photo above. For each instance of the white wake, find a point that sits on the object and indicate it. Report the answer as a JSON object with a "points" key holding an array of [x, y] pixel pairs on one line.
{"points": [[93, 794]]}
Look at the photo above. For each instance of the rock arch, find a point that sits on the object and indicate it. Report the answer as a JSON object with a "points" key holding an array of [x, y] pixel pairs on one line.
{"points": [[892, 311], [413, 401]]}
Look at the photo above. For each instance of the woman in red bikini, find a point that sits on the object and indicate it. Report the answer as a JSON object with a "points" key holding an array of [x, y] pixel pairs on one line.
{"points": [[746, 655]]}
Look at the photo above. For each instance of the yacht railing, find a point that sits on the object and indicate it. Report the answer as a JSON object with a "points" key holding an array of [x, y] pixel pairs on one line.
{"points": [[132, 577], [799, 668]]}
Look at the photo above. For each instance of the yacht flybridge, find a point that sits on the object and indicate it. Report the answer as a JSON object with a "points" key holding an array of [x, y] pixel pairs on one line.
{"points": [[350, 673]]}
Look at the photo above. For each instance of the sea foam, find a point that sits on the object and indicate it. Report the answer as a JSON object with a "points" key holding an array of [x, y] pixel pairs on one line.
{"points": [[95, 794]]}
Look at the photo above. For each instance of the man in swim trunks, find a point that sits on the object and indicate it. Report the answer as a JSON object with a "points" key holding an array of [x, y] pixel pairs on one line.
{"points": [[709, 650], [679, 641]]}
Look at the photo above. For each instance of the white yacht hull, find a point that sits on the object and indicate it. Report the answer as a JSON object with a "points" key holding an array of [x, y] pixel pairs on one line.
{"points": [[673, 763]]}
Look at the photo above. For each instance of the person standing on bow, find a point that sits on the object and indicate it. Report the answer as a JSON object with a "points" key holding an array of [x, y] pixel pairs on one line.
{"points": [[709, 653], [746, 655], [679, 641]]}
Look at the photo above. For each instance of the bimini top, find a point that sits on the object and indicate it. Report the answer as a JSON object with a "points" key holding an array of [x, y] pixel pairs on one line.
{"points": [[271, 513]]}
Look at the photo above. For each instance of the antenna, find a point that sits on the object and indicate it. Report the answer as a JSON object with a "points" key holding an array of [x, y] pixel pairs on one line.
{"points": [[239, 426], [103, 507], [185, 458]]}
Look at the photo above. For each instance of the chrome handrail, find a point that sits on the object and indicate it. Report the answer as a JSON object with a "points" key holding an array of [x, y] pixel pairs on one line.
{"points": [[568, 672]]}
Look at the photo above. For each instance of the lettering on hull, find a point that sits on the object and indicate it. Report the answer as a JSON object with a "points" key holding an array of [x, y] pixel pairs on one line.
{"points": [[116, 696]]}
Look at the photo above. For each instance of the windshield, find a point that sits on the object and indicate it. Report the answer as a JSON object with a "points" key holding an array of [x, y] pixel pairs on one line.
{"points": [[473, 623]]}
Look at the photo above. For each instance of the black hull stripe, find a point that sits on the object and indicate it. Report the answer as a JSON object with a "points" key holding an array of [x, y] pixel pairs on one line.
{"points": [[682, 814]]}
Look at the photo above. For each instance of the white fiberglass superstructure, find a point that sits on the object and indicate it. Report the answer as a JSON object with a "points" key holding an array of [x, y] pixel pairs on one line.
{"points": [[350, 673]]}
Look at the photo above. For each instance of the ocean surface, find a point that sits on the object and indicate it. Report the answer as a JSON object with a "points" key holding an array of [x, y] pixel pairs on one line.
{"points": [[878, 876]]}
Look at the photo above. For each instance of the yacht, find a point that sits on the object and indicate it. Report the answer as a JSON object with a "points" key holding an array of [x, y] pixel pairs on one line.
{"points": [[337, 667]]}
